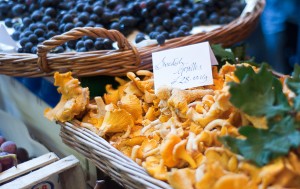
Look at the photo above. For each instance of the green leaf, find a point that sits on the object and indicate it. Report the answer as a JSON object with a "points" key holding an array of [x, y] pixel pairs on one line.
{"points": [[293, 84], [222, 54], [263, 145], [258, 94]]}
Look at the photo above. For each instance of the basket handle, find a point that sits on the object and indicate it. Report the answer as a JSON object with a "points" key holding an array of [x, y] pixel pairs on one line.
{"points": [[77, 33]]}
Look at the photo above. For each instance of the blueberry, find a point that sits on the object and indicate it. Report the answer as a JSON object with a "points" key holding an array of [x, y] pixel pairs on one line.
{"points": [[196, 21], [94, 17], [88, 8], [33, 26], [184, 28], [18, 9], [79, 7], [42, 26], [98, 45], [67, 18], [160, 39], [98, 10], [79, 44], [161, 7], [46, 19], [39, 32], [201, 14], [79, 24], [16, 36], [165, 34], [51, 34], [50, 12], [112, 3], [123, 12], [167, 24], [157, 20], [41, 39], [59, 49], [26, 21], [27, 33], [33, 39], [115, 26], [71, 44], [107, 44], [36, 16], [52, 25], [90, 24], [68, 27], [23, 41], [234, 11], [20, 50], [177, 21], [214, 18], [61, 28], [83, 17], [8, 22], [34, 50], [28, 46], [88, 44], [82, 49], [139, 38], [159, 29], [153, 35]]}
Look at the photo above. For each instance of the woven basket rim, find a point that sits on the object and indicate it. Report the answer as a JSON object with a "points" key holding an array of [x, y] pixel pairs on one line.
{"points": [[115, 62]]}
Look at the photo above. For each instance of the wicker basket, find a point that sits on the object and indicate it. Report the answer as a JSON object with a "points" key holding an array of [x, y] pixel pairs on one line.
{"points": [[108, 159], [116, 62]]}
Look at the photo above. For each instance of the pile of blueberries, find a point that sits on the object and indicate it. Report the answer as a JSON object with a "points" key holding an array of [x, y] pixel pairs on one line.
{"points": [[35, 21]]}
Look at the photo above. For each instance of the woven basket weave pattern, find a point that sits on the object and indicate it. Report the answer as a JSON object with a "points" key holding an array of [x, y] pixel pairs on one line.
{"points": [[109, 160], [115, 62]]}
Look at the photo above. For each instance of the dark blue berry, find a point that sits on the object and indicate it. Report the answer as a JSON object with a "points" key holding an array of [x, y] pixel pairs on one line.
{"points": [[18, 9], [26, 21], [33, 39], [8, 22], [98, 45], [37, 15], [52, 25], [34, 50], [71, 44], [79, 44], [50, 12], [20, 50], [41, 39], [67, 18], [88, 44], [16, 36], [51, 34], [59, 49], [160, 39], [88, 8], [46, 19], [115, 26], [83, 17], [98, 10], [153, 35], [33, 26], [107, 44], [68, 27], [23, 41], [234, 11], [177, 21], [28, 46], [139, 38], [82, 49], [79, 24]]}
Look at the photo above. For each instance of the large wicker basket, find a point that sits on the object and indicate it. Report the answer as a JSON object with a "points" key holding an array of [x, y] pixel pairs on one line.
{"points": [[116, 62], [108, 159]]}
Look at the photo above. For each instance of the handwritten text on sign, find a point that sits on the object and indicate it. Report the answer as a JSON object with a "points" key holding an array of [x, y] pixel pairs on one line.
{"points": [[184, 67]]}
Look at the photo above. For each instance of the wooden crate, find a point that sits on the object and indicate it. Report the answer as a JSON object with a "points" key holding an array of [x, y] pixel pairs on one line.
{"points": [[45, 172]]}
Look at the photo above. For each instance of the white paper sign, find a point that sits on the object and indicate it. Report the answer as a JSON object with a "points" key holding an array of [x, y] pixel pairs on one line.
{"points": [[184, 67], [6, 38]]}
